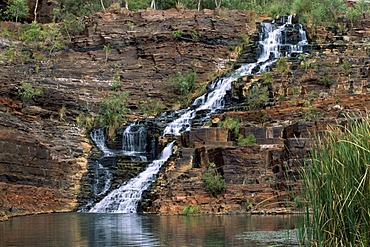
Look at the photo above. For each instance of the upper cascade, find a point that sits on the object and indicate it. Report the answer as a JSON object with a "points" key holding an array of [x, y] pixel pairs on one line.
{"points": [[275, 40]]}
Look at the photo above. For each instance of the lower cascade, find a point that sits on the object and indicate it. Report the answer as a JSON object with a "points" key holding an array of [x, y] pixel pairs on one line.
{"points": [[281, 38]]}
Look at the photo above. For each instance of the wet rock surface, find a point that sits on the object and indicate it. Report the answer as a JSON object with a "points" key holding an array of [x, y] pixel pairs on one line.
{"points": [[313, 91], [44, 156], [42, 151]]}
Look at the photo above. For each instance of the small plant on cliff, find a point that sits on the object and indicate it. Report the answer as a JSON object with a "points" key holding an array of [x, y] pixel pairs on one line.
{"points": [[151, 107], [282, 64], [112, 113], [183, 83], [116, 83], [177, 33], [214, 181], [17, 9], [191, 209], [337, 186], [257, 97], [28, 91], [231, 124], [246, 141]]}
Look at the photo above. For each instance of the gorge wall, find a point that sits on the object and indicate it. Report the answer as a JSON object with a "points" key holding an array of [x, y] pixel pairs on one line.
{"points": [[44, 155]]}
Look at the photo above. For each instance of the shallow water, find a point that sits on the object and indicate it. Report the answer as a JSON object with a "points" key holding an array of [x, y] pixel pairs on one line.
{"points": [[82, 229]]}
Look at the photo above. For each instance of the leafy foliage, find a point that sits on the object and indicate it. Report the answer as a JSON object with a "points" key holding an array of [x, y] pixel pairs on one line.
{"points": [[112, 113], [246, 141], [183, 83], [28, 91], [231, 124], [17, 9], [215, 183], [257, 97], [151, 107]]}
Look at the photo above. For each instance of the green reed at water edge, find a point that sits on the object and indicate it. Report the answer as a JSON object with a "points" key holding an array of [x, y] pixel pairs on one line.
{"points": [[337, 187]]}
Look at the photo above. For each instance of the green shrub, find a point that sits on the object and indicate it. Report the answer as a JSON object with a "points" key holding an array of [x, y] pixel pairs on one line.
{"points": [[116, 83], [337, 187], [191, 209], [112, 113], [282, 64], [246, 141], [31, 32], [28, 91], [151, 107], [71, 25], [257, 97], [231, 124], [177, 33], [213, 180], [17, 9], [183, 83]]}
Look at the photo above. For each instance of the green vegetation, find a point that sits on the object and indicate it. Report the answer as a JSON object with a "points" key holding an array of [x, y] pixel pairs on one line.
{"points": [[151, 107], [282, 64], [28, 92], [183, 83], [16, 9], [191, 209], [116, 83], [337, 187], [231, 124], [213, 180], [112, 113], [177, 33], [257, 97], [246, 141]]}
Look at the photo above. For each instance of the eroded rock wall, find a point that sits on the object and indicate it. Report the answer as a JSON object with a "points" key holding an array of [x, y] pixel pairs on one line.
{"points": [[43, 155], [312, 92]]}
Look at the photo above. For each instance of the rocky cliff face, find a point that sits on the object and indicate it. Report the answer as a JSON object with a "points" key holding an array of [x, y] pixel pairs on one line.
{"points": [[43, 154], [310, 93]]}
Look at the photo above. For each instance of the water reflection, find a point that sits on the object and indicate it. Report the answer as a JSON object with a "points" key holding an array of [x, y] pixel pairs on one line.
{"points": [[75, 229]]}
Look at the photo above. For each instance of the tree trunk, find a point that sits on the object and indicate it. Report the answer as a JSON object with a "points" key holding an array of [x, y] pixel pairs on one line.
{"points": [[152, 4], [102, 5], [126, 4], [199, 4], [35, 10], [218, 3]]}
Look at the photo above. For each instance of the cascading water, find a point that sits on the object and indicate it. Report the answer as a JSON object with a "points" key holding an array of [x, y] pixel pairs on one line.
{"points": [[275, 40], [127, 196], [134, 141]]}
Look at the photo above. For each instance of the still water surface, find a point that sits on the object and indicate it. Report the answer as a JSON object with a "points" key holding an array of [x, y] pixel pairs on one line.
{"points": [[79, 229]]}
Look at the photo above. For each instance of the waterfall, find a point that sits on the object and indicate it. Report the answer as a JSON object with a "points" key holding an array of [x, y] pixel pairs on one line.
{"points": [[134, 141], [127, 196], [275, 40], [97, 135]]}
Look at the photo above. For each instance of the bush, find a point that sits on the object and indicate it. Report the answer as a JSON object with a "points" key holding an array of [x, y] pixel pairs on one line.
{"points": [[337, 187], [191, 209], [28, 91], [183, 83], [151, 107], [214, 181], [112, 113], [257, 97], [246, 141], [17, 9], [231, 124]]}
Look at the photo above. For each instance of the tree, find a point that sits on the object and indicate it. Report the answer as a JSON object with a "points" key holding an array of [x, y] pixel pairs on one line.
{"points": [[35, 10], [17, 9], [152, 4]]}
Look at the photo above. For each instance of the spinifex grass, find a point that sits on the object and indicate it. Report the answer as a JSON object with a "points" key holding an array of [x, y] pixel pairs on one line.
{"points": [[337, 187]]}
